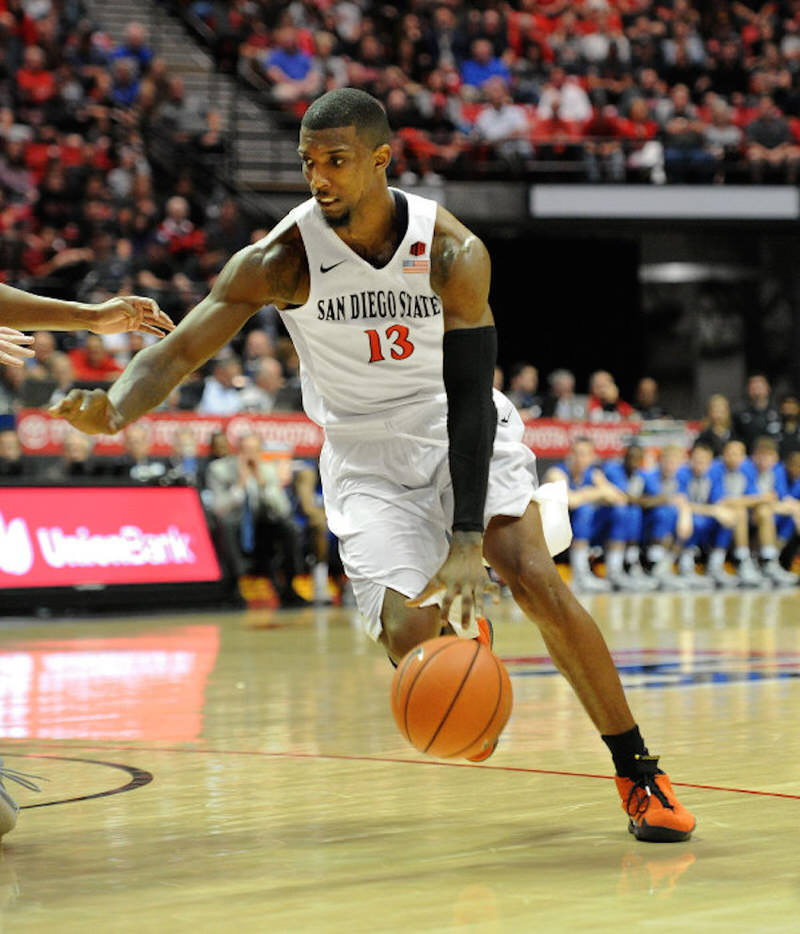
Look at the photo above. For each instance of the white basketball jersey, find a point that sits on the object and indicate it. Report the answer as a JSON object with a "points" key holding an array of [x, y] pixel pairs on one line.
{"points": [[369, 340]]}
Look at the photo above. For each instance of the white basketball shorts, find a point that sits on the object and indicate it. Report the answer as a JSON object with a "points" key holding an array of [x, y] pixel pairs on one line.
{"points": [[389, 498]]}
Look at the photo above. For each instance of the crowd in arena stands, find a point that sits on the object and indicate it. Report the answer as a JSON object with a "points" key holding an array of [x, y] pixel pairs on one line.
{"points": [[107, 165], [605, 90]]}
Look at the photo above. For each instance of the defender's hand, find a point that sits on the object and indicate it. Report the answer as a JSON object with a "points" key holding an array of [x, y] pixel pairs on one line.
{"points": [[14, 347], [90, 411], [128, 313], [462, 575]]}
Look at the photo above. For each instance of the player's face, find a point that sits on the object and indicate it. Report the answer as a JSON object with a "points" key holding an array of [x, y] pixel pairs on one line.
{"points": [[793, 465], [764, 459], [634, 458], [583, 456], [671, 461], [340, 170], [700, 460], [733, 455]]}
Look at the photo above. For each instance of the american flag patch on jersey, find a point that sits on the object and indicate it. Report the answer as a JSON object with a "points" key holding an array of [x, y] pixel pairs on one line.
{"points": [[416, 265]]}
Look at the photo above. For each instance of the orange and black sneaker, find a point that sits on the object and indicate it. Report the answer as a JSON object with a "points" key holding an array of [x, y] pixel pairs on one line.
{"points": [[654, 813]]}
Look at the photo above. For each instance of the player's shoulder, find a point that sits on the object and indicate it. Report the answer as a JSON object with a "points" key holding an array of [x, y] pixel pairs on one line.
{"points": [[448, 229], [456, 252], [281, 258]]}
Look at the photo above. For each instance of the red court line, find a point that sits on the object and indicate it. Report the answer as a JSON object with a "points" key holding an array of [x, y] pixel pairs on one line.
{"points": [[433, 762]]}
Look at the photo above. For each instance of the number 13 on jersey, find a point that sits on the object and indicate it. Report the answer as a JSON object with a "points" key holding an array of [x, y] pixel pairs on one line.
{"points": [[396, 337]]}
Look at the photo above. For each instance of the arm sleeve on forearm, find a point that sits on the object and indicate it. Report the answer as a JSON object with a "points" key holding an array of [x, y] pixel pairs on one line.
{"points": [[468, 367]]}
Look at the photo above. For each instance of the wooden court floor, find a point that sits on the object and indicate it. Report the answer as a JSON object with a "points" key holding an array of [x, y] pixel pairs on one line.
{"points": [[241, 772]]}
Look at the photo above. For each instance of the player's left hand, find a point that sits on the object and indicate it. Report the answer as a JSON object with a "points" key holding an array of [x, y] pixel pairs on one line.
{"points": [[14, 349], [90, 411], [128, 313], [462, 575]]}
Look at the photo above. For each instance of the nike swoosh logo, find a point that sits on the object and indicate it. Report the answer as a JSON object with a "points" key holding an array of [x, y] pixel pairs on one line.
{"points": [[328, 268]]}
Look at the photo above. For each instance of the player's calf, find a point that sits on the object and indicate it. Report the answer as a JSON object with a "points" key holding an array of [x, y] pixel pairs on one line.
{"points": [[405, 627]]}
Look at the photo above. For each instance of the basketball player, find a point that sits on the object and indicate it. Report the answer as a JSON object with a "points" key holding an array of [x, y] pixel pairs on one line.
{"points": [[385, 296], [34, 312]]}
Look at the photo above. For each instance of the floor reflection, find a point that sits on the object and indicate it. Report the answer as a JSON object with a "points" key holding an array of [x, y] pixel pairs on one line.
{"points": [[117, 688]]}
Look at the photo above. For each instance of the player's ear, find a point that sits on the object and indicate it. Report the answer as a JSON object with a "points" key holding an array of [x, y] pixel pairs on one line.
{"points": [[383, 156]]}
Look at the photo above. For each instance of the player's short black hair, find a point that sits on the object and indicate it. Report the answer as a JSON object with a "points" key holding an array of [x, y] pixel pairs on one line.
{"points": [[350, 107], [701, 444]]}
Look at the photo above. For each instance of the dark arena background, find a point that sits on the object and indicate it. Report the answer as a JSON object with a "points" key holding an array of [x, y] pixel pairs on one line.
{"points": [[195, 730]]}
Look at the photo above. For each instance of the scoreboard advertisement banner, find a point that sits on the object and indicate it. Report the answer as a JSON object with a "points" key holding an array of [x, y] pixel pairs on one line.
{"points": [[293, 432], [97, 536]]}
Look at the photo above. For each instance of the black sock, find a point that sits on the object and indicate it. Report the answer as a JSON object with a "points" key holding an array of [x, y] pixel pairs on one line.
{"points": [[624, 749]]}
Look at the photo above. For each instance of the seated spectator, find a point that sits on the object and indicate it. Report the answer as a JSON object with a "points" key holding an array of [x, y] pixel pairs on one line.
{"points": [[683, 137], [483, 65], [221, 394], [61, 371], [184, 463], [723, 139], [137, 463], [645, 158], [330, 66], [646, 400], [225, 235], [777, 517], [605, 404], [666, 519], [573, 102], [771, 150], [125, 89], [218, 447], [135, 47], [739, 493], [254, 513], [269, 392], [561, 401], [522, 386], [44, 347], [624, 533], [178, 232], [11, 463], [757, 416], [602, 148], [557, 138], [589, 492], [709, 524], [36, 85], [92, 362], [17, 182], [290, 70], [76, 460], [789, 438], [310, 515], [717, 425], [503, 125], [257, 345]]}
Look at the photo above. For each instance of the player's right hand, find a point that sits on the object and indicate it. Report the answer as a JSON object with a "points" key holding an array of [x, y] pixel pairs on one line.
{"points": [[128, 313], [90, 411], [14, 349]]}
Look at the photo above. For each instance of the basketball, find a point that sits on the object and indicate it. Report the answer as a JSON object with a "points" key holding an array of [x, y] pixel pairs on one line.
{"points": [[451, 697]]}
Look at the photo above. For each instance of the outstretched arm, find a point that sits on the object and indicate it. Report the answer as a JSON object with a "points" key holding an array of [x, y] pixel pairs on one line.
{"points": [[26, 311], [460, 274], [255, 276]]}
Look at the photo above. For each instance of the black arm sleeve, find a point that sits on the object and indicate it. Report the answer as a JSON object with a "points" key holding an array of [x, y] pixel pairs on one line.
{"points": [[469, 359]]}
